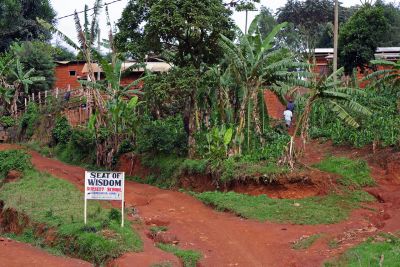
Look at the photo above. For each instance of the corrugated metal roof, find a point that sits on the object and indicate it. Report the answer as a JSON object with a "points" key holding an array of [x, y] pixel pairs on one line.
{"points": [[150, 66]]}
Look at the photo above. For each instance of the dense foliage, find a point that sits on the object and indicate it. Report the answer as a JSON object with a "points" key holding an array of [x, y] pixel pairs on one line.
{"points": [[382, 127], [18, 21], [184, 31], [360, 37], [37, 56]]}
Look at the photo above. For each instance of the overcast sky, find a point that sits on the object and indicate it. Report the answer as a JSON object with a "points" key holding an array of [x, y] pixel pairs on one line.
{"points": [[66, 7]]}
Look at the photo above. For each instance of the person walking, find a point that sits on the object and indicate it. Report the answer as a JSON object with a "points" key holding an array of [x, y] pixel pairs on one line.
{"points": [[288, 114]]}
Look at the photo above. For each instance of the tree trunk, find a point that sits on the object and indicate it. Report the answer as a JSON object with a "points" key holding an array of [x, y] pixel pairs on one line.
{"points": [[256, 116], [242, 122], [192, 128]]}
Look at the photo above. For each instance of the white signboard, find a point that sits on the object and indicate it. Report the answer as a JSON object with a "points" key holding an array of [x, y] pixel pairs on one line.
{"points": [[103, 185]]}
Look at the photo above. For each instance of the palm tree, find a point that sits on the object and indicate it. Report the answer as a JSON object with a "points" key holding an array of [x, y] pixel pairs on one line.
{"points": [[339, 99]]}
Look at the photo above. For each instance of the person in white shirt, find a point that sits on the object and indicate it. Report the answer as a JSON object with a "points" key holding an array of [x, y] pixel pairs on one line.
{"points": [[288, 117]]}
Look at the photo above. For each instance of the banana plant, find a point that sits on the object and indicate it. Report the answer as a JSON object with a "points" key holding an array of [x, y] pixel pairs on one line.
{"points": [[329, 91], [255, 63], [219, 139], [21, 80]]}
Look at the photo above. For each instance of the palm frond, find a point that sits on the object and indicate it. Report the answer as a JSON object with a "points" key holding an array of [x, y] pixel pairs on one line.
{"points": [[356, 107]]}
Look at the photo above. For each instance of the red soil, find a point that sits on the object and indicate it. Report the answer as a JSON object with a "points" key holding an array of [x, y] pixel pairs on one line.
{"points": [[226, 240], [15, 254]]}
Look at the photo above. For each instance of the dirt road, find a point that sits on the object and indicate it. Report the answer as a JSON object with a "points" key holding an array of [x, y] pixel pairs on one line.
{"points": [[227, 240], [15, 254]]}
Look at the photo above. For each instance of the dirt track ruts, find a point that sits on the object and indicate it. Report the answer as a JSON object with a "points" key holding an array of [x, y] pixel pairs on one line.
{"points": [[225, 239]]}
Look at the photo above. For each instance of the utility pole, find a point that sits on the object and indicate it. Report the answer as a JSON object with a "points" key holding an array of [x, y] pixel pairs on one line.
{"points": [[335, 39]]}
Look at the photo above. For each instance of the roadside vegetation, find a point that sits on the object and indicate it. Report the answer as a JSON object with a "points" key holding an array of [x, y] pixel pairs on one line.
{"points": [[57, 204], [329, 209], [382, 250]]}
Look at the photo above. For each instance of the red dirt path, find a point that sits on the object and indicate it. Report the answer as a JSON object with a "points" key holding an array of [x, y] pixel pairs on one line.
{"points": [[226, 240], [15, 254]]}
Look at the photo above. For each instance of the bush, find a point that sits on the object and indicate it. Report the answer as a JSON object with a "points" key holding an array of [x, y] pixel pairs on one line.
{"points": [[7, 121], [13, 160], [80, 149], [61, 132], [162, 136], [29, 119]]}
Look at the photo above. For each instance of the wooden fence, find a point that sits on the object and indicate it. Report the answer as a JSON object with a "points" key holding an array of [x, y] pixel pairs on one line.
{"points": [[74, 107]]}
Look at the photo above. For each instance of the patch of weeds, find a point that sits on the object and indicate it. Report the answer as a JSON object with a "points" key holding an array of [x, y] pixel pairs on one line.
{"points": [[58, 204], [379, 251], [14, 160], [194, 166], [43, 150], [230, 169], [312, 210], [353, 172], [157, 229], [306, 242], [333, 243], [188, 257]]}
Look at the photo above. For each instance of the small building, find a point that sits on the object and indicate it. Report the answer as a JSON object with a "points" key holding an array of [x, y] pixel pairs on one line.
{"points": [[69, 73]]}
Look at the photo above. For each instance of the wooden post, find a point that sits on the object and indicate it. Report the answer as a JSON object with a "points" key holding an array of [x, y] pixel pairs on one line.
{"points": [[57, 92], [45, 97], [33, 97], [26, 104], [80, 115], [40, 99], [335, 39]]}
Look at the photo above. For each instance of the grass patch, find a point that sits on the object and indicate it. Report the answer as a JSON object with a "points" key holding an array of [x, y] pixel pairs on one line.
{"points": [[313, 210], [306, 242], [371, 253], [43, 150], [59, 205], [353, 172], [188, 257]]}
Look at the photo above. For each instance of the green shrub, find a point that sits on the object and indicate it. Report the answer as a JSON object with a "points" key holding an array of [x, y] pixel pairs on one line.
{"points": [[30, 119], [80, 149], [61, 132], [162, 136], [7, 121], [14, 160], [194, 166]]}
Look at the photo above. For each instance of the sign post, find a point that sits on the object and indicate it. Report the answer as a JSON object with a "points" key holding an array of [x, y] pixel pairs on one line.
{"points": [[102, 185]]}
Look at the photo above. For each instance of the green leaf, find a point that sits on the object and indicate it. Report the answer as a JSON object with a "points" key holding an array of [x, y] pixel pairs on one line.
{"points": [[228, 136]]}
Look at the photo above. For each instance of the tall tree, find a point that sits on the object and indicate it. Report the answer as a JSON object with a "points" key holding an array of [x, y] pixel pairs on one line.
{"points": [[185, 31], [360, 37], [18, 21], [38, 56], [392, 14]]}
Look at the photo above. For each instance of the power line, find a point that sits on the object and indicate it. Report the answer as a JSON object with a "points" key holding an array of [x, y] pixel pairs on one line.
{"points": [[105, 4]]}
